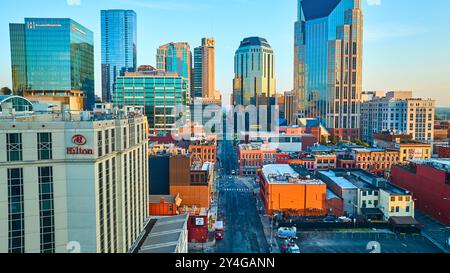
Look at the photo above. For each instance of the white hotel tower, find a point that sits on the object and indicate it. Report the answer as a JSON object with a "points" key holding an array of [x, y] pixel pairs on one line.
{"points": [[72, 182]]}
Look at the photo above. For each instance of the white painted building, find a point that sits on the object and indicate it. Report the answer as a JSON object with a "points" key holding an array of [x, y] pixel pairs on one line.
{"points": [[72, 181], [398, 112]]}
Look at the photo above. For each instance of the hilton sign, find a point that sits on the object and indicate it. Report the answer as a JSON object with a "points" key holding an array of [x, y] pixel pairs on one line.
{"points": [[80, 141]]}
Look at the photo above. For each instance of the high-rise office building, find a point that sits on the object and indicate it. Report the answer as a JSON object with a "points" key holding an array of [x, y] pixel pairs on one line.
{"points": [[175, 58], [254, 83], [163, 96], [53, 54], [328, 63], [119, 39], [398, 112], [204, 70], [254, 68], [72, 181]]}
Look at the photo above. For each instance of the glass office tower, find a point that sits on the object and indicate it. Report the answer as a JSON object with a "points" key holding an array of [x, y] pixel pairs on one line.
{"points": [[175, 58], [119, 53], [57, 55], [163, 96], [328, 63]]}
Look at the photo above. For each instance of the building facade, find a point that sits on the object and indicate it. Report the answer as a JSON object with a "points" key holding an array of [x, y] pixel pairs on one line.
{"points": [[164, 98], [204, 70], [400, 113], [74, 180], [284, 190], [119, 47], [328, 59], [429, 181], [254, 69], [68, 64]]}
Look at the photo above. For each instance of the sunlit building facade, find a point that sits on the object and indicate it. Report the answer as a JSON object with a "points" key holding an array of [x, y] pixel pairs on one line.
{"points": [[53, 54], [119, 47], [328, 63], [175, 58], [164, 98], [204, 70]]}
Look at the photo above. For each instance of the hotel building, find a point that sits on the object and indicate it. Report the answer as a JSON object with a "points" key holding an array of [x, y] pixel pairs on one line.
{"points": [[72, 180]]}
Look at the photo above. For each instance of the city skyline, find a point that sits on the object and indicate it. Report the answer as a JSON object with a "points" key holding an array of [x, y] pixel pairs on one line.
{"points": [[387, 65]]}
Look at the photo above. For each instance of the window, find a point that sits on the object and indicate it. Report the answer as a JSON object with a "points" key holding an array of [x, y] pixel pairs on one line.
{"points": [[14, 147], [46, 209], [125, 140], [400, 198], [44, 146], [393, 199], [407, 208], [397, 209], [113, 140], [100, 143], [107, 142], [392, 209], [16, 217]]}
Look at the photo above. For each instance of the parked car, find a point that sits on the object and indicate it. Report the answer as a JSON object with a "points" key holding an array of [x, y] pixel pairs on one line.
{"points": [[344, 219], [329, 219], [287, 233]]}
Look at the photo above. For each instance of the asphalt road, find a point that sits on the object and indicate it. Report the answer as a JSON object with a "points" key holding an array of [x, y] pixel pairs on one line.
{"points": [[243, 231]]}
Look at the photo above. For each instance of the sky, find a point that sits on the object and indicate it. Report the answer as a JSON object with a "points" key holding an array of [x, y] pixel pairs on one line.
{"points": [[406, 42]]}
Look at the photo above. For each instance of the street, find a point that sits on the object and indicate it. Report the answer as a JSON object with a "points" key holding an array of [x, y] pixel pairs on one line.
{"points": [[243, 232]]}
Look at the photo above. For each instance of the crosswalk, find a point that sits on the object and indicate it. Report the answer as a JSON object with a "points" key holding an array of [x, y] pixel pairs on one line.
{"points": [[235, 190]]}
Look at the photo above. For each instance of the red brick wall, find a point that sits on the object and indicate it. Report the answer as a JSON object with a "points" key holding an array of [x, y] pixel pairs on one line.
{"points": [[443, 152], [429, 189]]}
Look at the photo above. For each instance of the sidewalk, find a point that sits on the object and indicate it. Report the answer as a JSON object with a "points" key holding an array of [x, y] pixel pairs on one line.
{"points": [[434, 231]]}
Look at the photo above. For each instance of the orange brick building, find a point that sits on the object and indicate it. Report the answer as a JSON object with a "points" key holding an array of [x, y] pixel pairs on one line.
{"points": [[284, 190], [192, 181], [252, 157], [206, 151], [163, 205], [377, 161]]}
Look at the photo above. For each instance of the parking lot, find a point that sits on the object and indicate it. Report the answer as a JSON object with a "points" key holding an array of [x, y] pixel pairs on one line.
{"points": [[362, 242]]}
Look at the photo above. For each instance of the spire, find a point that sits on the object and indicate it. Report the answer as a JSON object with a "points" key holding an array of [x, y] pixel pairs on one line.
{"points": [[300, 15]]}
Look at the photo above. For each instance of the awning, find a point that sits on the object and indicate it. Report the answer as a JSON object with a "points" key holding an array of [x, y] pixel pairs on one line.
{"points": [[404, 221], [371, 211]]}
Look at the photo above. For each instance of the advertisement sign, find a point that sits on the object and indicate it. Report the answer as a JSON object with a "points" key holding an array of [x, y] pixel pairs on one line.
{"points": [[79, 141]]}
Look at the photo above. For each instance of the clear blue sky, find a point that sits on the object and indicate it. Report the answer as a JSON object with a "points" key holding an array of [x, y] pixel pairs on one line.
{"points": [[407, 42]]}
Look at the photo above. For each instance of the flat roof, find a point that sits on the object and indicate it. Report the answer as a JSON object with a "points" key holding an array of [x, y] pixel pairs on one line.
{"points": [[285, 174], [338, 180], [442, 164], [164, 236], [156, 199]]}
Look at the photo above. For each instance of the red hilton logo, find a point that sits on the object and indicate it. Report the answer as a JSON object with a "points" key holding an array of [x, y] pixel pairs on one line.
{"points": [[79, 140]]}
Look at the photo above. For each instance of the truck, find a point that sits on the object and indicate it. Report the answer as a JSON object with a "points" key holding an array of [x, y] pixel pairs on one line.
{"points": [[219, 230], [286, 233]]}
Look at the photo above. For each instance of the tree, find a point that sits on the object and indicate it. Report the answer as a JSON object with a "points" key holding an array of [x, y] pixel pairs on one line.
{"points": [[5, 91]]}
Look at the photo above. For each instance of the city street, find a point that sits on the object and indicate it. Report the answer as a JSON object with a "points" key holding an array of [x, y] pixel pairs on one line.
{"points": [[243, 231]]}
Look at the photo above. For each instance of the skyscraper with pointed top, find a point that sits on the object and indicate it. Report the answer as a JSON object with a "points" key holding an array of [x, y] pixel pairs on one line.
{"points": [[328, 63]]}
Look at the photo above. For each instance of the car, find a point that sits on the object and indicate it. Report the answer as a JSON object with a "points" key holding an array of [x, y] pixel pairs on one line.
{"points": [[230, 177], [233, 172], [344, 219], [219, 236], [329, 219]]}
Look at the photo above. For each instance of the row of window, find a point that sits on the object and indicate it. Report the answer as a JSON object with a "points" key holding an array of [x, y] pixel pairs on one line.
{"points": [[16, 215], [14, 146]]}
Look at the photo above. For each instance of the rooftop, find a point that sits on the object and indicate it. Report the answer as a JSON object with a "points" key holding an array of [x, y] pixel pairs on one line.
{"points": [[156, 199], [162, 235], [442, 164], [338, 180], [285, 174], [254, 41]]}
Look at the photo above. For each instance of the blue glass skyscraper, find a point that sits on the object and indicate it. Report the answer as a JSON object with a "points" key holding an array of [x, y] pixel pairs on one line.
{"points": [[119, 51], [53, 54], [328, 63]]}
